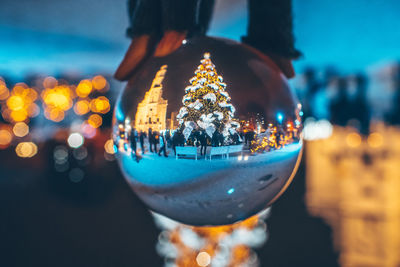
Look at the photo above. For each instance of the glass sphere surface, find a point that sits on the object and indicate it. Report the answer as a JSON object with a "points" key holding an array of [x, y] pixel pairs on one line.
{"points": [[210, 134]]}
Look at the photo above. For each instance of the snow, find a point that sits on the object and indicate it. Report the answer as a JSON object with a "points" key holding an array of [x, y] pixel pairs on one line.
{"points": [[207, 118], [182, 113], [225, 94], [196, 105], [210, 96], [186, 98], [213, 86], [202, 81], [170, 186], [210, 130], [219, 115]]}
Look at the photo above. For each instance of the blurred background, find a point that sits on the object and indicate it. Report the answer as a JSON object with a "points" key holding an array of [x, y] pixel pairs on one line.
{"points": [[63, 201]]}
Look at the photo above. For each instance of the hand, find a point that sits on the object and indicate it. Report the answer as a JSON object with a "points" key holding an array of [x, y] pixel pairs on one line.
{"points": [[158, 28]]}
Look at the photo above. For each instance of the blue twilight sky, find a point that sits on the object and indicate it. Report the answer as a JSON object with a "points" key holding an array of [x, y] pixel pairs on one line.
{"points": [[47, 36]]}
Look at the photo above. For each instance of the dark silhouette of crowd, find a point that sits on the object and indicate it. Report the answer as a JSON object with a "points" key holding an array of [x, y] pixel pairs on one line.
{"points": [[339, 99]]}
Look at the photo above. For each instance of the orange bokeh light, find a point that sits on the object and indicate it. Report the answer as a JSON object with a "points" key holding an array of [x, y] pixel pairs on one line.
{"points": [[100, 105], [95, 120], [54, 114], [4, 92], [19, 115], [375, 140], [109, 146], [5, 138], [84, 88], [99, 82], [15, 103], [82, 107], [353, 140]]}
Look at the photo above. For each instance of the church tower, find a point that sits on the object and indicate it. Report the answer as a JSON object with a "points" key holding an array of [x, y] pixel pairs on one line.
{"points": [[152, 111]]}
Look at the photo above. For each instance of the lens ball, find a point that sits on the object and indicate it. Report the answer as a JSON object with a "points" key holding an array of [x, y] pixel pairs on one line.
{"points": [[210, 134]]}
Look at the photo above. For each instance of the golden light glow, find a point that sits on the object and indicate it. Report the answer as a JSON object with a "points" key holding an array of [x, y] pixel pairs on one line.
{"points": [[353, 140], [20, 103], [19, 115], [20, 129], [99, 82], [375, 140], [59, 97], [109, 146], [5, 138], [203, 259], [100, 105], [82, 107], [95, 120], [15, 103], [26, 149], [56, 101], [84, 88]]}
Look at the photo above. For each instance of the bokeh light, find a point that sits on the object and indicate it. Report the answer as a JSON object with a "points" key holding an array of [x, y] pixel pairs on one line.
{"points": [[109, 146], [95, 120], [20, 129], [5, 138], [26, 149], [375, 140], [84, 88], [50, 82], [353, 140], [82, 107], [75, 140], [203, 259], [99, 82], [100, 105], [4, 92], [54, 114], [88, 130]]}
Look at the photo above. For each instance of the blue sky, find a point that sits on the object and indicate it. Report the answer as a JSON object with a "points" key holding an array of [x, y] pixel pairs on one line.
{"points": [[46, 36]]}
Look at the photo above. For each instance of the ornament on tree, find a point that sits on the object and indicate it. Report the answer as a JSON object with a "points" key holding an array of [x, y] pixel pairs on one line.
{"points": [[210, 145]]}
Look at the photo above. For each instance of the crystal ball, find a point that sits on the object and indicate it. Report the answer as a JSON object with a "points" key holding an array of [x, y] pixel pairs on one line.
{"points": [[210, 134]]}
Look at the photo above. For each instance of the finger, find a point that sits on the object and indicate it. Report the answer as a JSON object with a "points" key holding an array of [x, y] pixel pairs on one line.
{"points": [[182, 19], [169, 43], [139, 49], [145, 30], [285, 64]]}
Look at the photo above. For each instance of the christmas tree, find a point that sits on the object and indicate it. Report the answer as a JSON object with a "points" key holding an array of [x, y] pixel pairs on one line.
{"points": [[206, 104]]}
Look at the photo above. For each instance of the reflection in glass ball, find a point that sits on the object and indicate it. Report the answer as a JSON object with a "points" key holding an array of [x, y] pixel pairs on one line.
{"points": [[210, 134]]}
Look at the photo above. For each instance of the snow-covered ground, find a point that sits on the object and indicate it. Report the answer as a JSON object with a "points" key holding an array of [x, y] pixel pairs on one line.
{"points": [[219, 191]]}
